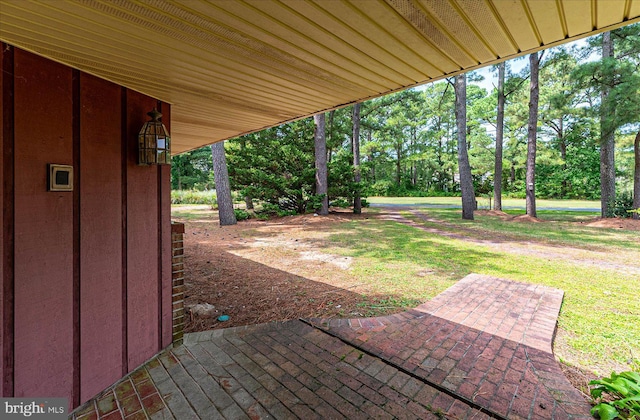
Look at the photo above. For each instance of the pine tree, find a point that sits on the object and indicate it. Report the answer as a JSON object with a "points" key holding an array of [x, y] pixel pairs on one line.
{"points": [[532, 132], [466, 182], [223, 189], [320, 141]]}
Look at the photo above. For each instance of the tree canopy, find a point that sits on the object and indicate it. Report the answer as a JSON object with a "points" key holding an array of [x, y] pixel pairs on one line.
{"points": [[408, 140]]}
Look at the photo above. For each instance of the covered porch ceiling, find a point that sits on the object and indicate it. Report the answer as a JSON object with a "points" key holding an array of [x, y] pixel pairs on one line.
{"points": [[230, 67]]}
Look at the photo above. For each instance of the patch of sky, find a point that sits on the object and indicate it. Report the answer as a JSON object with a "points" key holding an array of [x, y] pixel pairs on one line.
{"points": [[489, 74]]}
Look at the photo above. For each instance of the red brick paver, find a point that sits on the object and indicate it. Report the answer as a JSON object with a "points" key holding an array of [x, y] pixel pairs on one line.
{"points": [[479, 350], [485, 339]]}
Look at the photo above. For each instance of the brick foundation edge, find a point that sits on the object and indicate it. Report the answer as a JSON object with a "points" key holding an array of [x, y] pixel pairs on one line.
{"points": [[177, 282]]}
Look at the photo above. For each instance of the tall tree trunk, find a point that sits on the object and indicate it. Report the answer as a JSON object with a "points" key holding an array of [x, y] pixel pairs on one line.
{"points": [[442, 174], [563, 155], [330, 136], [414, 174], [248, 201], [223, 188], [372, 159], [534, 92], [357, 201], [636, 176], [497, 176], [414, 168], [466, 182], [321, 161], [398, 148], [607, 141]]}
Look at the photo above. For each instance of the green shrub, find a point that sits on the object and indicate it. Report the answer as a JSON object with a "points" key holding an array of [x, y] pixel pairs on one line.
{"points": [[621, 206], [194, 197], [314, 202], [340, 202], [617, 396], [241, 214], [270, 209], [436, 193], [380, 188], [387, 188]]}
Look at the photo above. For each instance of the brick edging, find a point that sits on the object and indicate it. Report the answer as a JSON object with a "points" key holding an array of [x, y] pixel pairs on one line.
{"points": [[177, 282]]}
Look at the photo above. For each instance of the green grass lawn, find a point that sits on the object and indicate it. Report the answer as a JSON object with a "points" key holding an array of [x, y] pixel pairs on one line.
{"points": [[561, 228], [599, 324], [483, 202], [194, 212]]}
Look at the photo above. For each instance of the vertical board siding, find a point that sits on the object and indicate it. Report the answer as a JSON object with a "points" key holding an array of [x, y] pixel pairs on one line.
{"points": [[100, 235], [8, 228], [142, 240], [76, 239], [43, 230], [86, 296], [3, 235], [123, 228]]}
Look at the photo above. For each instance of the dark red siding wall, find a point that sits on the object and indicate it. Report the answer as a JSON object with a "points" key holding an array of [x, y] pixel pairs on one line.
{"points": [[43, 229], [101, 234], [2, 239], [142, 242], [89, 270]]}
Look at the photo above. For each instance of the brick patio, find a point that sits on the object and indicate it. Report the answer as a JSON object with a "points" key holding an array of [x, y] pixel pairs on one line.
{"points": [[481, 349]]}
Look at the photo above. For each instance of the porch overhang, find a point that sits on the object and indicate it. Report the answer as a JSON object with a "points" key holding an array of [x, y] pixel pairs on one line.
{"points": [[234, 67]]}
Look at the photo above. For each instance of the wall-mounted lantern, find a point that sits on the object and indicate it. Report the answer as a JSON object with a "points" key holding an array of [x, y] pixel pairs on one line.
{"points": [[154, 142]]}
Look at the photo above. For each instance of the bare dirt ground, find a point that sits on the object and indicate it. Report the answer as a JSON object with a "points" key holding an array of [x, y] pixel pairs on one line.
{"points": [[628, 224], [263, 271]]}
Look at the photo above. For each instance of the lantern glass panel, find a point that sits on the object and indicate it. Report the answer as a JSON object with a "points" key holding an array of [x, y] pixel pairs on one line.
{"points": [[154, 143]]}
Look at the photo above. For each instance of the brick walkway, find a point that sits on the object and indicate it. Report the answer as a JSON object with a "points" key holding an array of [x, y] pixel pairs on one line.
{"points": [[481, 349]]}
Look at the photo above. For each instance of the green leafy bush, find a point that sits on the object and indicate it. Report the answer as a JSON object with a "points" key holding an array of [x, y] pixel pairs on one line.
{"points": [[194, 197], [314, 201], [241, 214], [387, 188], [270, 209], [340, 202], [621, 206], [617, 396], [380, 188], [276, 165]]}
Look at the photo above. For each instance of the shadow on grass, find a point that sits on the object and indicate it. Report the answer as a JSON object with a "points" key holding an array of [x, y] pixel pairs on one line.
{"points": [[400, 243], [252, 293]]}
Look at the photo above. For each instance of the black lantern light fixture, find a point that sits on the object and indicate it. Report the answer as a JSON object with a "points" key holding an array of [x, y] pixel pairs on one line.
{"points": [[154, 142]]}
